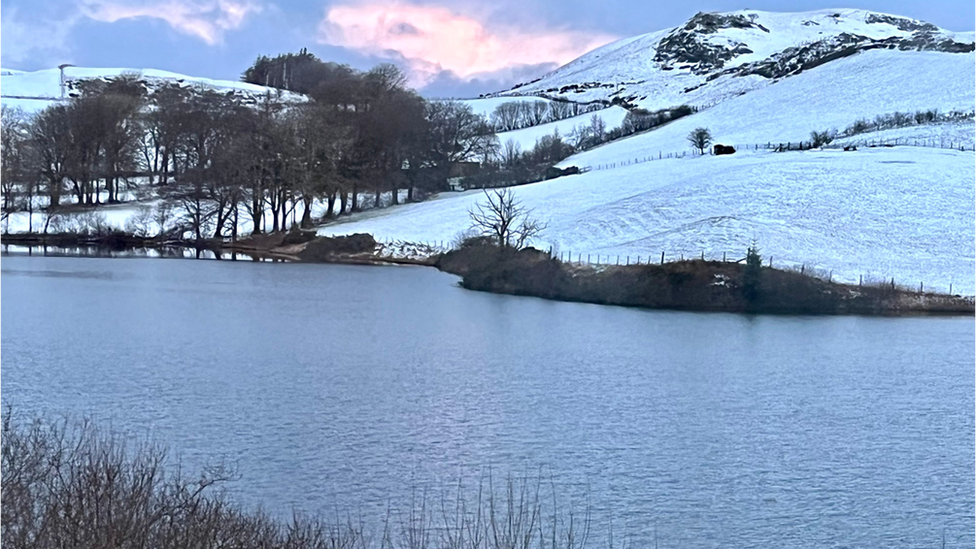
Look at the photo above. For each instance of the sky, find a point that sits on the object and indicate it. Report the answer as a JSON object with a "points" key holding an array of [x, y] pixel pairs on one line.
{"points": [[448, 48]]}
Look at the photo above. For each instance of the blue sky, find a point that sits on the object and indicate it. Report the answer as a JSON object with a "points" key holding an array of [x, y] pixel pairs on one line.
{"points": [[449, 47]]}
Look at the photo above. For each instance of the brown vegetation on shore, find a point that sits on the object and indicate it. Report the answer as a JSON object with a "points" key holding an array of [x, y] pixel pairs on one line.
{"points": [[693, 285]]}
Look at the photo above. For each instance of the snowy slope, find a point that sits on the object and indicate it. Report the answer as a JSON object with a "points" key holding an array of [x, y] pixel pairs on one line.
{"points": [[33, 91], [715, 57], [831, 96], [903, 212]]}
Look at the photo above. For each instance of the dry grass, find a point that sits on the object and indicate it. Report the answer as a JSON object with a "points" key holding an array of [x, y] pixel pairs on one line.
{"points": [[68, 484]]}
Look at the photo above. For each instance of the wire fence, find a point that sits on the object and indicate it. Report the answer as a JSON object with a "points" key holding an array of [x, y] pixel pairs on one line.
{"points": [[870, 280], [940, 143]]}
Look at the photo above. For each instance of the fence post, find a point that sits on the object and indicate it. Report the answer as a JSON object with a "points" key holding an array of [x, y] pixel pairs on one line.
{"points": [[950, 288], [770, 261], [860, 279], [587, 258], [803, 268], [703, 255], [921, 287], [662, 258], [723, 257], [628, 260], [618, 259]]}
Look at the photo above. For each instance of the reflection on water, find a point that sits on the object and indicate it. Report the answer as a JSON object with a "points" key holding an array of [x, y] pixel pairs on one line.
{"points": [[165, 252]]}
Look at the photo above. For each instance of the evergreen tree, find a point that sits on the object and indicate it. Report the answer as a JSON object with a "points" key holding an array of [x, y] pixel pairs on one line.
{"points": [[752, 274]]}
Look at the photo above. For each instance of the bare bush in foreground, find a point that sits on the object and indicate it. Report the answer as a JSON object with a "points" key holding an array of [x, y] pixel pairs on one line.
{"points": [[68, 484]]}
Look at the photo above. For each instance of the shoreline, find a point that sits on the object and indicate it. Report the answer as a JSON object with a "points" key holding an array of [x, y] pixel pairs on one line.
{"points": [[688, 285]]}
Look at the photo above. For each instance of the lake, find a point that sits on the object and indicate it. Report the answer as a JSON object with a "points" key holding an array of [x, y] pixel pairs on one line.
{"points": [[350, 388]]}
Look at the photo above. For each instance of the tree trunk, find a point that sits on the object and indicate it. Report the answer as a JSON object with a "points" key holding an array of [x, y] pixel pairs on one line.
{"points": [[257, 212], [331, 201], [307, 213]]}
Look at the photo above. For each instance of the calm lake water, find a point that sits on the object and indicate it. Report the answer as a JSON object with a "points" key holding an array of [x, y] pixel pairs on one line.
{"points": [[342, 387]]}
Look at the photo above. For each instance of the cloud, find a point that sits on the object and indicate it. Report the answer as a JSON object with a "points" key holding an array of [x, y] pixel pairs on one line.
{"points": [[20, 41], [207, 20], [433, 39], [447, 84]]}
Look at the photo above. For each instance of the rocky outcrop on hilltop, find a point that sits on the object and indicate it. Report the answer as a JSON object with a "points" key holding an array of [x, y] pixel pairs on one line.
{"points": [[685, 45], [715, 56]]}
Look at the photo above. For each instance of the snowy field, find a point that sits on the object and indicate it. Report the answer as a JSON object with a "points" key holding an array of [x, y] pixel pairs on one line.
{"points": [[831, 96], [902, 212]]}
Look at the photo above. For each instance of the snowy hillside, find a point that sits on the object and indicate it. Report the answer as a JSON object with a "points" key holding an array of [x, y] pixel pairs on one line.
{"points": [[903, 212], [715, 57], [33, 91], [831, 96]]}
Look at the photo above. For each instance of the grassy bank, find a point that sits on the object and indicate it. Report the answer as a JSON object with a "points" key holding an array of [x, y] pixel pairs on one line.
{"points": [[692, 285]]}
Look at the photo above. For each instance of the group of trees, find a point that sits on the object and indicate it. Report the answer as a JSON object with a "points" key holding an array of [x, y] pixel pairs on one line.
{"points": [[903, 119], [639, 120], [213, 157], [516, 115], [218, 159]]}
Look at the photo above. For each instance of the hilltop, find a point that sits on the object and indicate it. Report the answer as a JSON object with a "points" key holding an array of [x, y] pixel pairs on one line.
{"points": [[34, 91], [717, 56]]}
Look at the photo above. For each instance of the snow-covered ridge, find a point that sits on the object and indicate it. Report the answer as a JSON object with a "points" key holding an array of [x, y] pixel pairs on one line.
{"points": [[38, 89], [714, 57]]}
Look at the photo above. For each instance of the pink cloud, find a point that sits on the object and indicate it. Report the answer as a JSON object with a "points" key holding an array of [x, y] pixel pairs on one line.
{"points": [[205, 19], [433, 38]]}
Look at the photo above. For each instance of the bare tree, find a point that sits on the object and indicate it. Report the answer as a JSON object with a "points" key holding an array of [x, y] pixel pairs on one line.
{"points": [[700, 138], [505, 219], [511, 154], [539, 113], [819, 139]]}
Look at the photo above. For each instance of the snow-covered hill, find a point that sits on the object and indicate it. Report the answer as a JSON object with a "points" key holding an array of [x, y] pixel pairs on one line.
{"points": [[903, 212], [33, 91], [831, 96], [715, 57]]}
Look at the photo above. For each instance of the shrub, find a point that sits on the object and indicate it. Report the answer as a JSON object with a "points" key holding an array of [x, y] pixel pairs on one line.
{"points": [[752, 274], [819, 139], [67, 484]]}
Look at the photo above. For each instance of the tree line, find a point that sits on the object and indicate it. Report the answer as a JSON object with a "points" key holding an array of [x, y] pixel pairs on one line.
{"points": [[517, 115], [215, 159]]}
